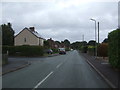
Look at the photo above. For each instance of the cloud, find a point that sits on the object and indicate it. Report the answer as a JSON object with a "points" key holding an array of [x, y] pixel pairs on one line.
{"points": [[62, 19]]}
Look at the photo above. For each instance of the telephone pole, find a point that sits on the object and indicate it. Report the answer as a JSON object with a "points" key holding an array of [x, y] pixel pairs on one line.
{"points": [[83, 37]]}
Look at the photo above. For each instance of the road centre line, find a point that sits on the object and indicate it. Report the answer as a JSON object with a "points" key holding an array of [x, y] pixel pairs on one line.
{"points": [[59, 65], [42, 81]]}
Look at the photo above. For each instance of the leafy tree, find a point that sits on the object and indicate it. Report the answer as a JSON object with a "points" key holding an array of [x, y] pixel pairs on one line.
{"points": [[7, 34], [84, 43], [57, 42], [46, 44], [67, 43], [76, 45], [92, 43], [105, 40]]}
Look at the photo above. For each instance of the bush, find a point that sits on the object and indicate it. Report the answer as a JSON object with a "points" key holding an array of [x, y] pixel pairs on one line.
{"points": [[114, 48], [84, 49], [24, 50], [55, 50], [67, 49], [91, 50], [103, 50]]}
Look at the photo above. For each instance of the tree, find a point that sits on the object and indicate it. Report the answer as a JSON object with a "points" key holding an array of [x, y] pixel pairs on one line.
{"points": [[83, 43], [57, 42], [7, 34], [46, 44], [76, 45], [67, 43], [92, 43], [105, 40]]}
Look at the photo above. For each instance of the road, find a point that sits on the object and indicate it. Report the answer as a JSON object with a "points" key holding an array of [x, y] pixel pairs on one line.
{"points": [[63, 71]]}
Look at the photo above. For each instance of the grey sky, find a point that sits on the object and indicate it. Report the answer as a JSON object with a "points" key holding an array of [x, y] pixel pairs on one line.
{"points": [[62, 19]]}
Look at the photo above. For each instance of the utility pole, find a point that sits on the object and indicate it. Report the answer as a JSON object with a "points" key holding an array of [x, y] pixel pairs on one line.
{"points": [[83, 37], [98, 33], [98, 41]]}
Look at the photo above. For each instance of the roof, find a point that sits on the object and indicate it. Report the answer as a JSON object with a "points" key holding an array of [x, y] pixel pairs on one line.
{"points": [[33, 32]]}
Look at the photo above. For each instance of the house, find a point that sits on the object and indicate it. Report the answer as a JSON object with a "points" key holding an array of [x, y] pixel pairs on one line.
{"points": [[51, 43], [28, 36], [55, 44]]}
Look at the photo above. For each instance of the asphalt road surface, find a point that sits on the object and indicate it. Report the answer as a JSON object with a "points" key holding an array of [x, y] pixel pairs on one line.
{"points": [[63, 71]]}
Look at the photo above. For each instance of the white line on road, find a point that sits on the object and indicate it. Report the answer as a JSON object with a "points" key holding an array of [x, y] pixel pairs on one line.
{"points": [[42, 81], [59, 65]]}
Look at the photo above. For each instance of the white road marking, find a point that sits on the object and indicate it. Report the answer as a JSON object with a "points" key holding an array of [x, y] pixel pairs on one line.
{"points": [[42, 81], [59, 65]]}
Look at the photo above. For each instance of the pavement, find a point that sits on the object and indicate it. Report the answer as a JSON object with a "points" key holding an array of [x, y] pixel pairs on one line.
{"points": [[14, 65], [110, 75], [62, 71]]}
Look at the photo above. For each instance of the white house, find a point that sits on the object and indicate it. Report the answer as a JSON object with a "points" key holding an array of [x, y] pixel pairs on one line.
{"points": [[28, 36]]}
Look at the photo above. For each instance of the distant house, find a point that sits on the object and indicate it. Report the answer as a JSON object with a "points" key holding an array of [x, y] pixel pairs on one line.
{"points": [[55, 44], [51, 43], [28, 36]]}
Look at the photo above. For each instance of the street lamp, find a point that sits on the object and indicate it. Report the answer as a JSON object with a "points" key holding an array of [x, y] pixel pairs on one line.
{"points": [[95, 37]]}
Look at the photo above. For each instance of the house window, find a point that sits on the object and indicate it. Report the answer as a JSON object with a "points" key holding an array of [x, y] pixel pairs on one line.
{"points": [[24, 39]]}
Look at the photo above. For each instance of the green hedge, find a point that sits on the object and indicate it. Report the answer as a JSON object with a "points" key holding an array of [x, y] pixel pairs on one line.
{"points": [[84, 49], [103, 50], [55, 50], [91, 50], [23, 50], [114, 48], [67, 49]]}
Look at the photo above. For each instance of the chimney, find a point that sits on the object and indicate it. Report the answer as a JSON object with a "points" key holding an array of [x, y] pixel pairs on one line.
{"points": [[32, 29]]}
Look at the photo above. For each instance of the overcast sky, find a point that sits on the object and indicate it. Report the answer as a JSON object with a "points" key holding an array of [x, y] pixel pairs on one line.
{"points": [[62, 19]]}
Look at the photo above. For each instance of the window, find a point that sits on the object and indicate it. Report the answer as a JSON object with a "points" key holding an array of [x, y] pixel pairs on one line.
{"points": [[24, 39]]}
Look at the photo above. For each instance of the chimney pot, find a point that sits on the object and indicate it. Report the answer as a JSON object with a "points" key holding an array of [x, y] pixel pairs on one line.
{"points": [[32, 29]]}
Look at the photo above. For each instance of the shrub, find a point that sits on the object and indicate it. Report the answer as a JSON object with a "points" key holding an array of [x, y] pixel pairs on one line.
{"points": [[67, 49], [24, 50], [84, 49], [103, 50], [91, 50], [55, 50], [114, 48]]}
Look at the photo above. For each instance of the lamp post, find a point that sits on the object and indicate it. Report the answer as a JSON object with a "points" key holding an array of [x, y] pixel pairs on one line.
{"points": [[95, 38], [98, 41], [98, 33]]}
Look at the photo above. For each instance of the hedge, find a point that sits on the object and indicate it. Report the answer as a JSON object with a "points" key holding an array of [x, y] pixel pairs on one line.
{"points": [[24, 50], [84, 49], [91, 50], [114, 48], [67, 49], [103, 50], [55, 50]]}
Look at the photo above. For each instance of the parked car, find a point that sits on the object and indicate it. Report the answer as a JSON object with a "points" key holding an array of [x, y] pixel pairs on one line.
{"points": [[49, 51], [62, 51]]}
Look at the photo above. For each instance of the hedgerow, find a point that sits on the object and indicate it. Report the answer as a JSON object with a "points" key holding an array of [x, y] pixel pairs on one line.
{"points": [[114, 48], [24, 50]]}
